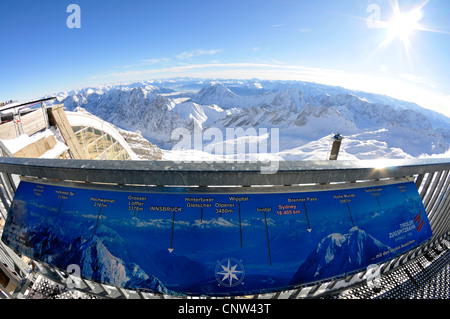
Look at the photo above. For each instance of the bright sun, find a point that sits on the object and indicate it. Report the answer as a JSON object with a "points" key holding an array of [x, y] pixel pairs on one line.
{"points": [[403, 25]]}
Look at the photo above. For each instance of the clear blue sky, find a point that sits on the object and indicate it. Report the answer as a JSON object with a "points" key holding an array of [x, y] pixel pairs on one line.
{"points": [[326, 41]]}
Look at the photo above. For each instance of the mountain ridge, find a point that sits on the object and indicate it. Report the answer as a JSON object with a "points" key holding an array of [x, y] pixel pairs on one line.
{"points": [[339, 253], [303, 112]]}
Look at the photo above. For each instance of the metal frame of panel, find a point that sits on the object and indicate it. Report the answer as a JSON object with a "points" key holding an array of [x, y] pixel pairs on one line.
{"points": [[432, 178]]}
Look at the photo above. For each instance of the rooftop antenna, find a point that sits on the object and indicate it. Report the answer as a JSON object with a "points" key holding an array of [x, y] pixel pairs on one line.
{"points": [[337, 139]]}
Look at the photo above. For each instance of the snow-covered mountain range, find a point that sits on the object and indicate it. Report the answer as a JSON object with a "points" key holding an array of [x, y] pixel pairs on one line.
{"points": [[339, 253], [305, 114], [102, 255]]}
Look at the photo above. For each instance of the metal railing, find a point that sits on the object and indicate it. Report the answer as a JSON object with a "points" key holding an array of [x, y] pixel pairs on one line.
{"points": [[24, 118], [431, 176]]}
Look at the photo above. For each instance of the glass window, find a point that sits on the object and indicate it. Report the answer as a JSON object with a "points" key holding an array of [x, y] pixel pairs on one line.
{"points": [[92, 150], [99, 145], [76, 129]]}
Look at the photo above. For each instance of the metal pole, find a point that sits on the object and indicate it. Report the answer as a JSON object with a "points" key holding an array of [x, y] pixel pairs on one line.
{"points": [[20, 126], [337, 139]]}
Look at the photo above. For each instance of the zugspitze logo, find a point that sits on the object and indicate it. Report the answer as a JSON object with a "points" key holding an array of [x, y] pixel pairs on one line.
{"points": [[229, 272]]}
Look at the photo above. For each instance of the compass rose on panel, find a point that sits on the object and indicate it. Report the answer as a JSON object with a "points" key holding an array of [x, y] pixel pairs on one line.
{"points": [[229, 272]]}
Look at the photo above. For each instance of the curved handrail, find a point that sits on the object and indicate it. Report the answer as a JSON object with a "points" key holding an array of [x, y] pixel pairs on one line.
{"points": [[207, 173]]}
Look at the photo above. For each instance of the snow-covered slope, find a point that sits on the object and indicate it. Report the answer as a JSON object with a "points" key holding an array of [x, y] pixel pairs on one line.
{"points": [[338, 253], [306, 114], [102, 257], [217, 93]]}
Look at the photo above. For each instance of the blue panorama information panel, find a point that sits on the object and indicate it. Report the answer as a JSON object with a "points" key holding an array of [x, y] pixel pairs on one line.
{"points": [[180, 242]]}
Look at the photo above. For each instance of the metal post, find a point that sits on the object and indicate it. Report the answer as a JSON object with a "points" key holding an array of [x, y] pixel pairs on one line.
{"points": [[20, 126], [337, 139]]}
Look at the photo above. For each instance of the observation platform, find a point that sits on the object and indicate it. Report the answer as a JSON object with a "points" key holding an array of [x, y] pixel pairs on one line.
{"points": [[179, 230]]}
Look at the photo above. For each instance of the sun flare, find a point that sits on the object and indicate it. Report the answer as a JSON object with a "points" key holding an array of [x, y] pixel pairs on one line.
{"points": [[403, 24]]}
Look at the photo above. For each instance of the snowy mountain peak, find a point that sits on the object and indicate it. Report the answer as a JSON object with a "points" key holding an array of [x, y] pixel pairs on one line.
{"points": [[338, 253], [290, 99], [219, 88], [217, 93], [102, 257]]}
